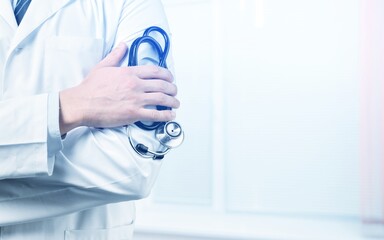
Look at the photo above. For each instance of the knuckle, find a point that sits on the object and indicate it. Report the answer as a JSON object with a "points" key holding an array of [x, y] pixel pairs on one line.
{"points": [[126, 70], [162, 99], [154, 69], [132, 114], [130, 71], [163, 86], [159, 116], [168, 115], [129, 83], [156, 116]]}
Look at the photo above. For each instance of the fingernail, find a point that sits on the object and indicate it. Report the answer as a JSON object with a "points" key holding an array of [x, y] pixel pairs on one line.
{"points": [[173, 114]]}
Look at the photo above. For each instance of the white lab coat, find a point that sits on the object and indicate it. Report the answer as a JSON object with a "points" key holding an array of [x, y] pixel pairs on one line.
{"points": [[82, 190]]}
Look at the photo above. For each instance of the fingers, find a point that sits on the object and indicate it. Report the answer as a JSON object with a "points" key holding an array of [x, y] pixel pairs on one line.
{"points": [[159, 86], [150, 72], [136, 88], [152, 99], [152, 115], [113, 58]]}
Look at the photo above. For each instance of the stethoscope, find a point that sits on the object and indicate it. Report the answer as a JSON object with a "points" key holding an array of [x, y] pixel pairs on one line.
{"points": [[168, 134]]}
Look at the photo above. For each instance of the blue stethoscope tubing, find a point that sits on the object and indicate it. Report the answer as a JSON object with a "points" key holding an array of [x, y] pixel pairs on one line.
{"points": [[162, 55], [146, 38], [169, 134]]}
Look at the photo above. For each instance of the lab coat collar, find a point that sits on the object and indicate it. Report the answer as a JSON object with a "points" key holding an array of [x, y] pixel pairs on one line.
{"points": [[39, 11], [6, 12]]}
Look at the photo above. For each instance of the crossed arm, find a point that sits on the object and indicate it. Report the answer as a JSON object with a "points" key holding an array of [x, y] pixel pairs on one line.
{"points": [[112, 96]]}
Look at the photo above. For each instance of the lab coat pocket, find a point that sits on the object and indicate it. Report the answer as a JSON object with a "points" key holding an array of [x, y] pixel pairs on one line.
{"points": [[117, 233], [68, 60]]}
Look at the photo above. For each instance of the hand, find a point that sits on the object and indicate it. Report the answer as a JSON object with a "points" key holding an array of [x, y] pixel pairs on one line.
{"points": [[112, 96]]}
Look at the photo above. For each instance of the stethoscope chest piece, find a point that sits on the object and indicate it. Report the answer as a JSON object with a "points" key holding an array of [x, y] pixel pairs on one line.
{"points": [[170, 134]]}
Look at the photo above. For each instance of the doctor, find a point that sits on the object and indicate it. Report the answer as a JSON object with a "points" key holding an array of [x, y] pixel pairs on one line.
{"points": [[67, 170]]}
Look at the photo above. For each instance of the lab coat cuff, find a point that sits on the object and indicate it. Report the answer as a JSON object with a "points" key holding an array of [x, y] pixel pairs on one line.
{"points": [[54, 140]]}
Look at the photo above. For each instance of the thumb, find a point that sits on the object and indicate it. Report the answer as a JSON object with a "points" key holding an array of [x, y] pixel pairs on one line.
{"points": [[114, 57]]}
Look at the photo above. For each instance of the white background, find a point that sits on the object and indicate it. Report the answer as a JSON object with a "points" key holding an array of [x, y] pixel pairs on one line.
{"points": [[270, 93]]}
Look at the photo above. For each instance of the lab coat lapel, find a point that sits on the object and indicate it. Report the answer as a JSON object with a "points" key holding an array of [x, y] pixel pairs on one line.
{"points": [[39, 11], [6, 12]]}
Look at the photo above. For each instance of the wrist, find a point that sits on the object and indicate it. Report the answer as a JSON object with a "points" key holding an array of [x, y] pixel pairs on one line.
{"points": [[70, 110]]}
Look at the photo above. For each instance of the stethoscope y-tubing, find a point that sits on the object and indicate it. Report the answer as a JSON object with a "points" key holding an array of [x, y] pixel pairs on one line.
{"points": [[162, 55]]}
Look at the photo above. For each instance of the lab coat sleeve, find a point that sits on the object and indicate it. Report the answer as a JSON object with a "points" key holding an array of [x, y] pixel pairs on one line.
{"points": [[23, 137], [95, 166], [54, 143]]}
